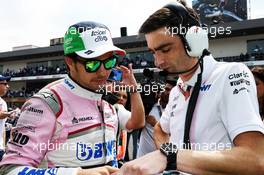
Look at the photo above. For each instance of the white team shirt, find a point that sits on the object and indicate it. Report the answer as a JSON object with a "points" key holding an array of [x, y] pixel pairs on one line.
{"points": [[123, 116], [146, 142], [226, 107]]}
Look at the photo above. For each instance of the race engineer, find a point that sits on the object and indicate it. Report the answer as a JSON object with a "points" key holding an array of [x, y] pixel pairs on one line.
{"points": [[212, 117]]}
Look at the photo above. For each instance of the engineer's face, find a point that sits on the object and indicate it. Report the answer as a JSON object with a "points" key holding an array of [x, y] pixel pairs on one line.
{"points": [[168, 51]]}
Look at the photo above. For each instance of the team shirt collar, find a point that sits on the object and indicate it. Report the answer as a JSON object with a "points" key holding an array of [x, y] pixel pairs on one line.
{"points": [[208, 66]]}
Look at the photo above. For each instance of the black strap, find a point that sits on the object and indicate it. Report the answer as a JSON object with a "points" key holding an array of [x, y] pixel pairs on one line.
{"points": [[118, 129], [192, 104], [91, 166]]}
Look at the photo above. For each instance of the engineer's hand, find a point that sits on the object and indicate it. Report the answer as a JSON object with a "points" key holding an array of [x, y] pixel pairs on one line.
{"points": [[152, 163]]}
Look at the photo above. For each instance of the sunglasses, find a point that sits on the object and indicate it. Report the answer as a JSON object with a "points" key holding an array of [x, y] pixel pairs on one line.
{"points": [[4, 84], [92, 65]]}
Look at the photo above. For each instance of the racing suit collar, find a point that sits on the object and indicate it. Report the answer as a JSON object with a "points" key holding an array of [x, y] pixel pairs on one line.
{"points": [[77, 89]]}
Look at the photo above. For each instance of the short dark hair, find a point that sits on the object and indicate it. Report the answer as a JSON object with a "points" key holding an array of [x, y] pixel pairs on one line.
{"points": [[72, 56], [165, 17], [171, 82]]}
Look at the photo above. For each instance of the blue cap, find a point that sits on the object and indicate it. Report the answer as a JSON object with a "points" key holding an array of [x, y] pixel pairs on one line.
{"points": [[3, 78]]}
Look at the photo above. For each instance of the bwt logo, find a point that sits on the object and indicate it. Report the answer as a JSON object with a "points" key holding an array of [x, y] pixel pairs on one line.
{"points": [[85, 152], [205, 87]]}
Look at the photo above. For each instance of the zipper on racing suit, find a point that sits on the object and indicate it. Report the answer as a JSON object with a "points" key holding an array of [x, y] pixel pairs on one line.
{"points": [[103, 127]]}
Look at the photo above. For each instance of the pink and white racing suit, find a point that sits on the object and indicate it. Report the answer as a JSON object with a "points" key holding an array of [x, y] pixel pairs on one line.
{"points": [[81, 133]]}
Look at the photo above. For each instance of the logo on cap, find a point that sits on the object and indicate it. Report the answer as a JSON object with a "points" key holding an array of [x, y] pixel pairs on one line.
{"points": [[88, 52], [89, 40]]}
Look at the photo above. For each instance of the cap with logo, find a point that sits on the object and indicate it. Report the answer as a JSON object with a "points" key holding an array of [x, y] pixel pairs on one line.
{"points": [[89, 40], [4, 78]]}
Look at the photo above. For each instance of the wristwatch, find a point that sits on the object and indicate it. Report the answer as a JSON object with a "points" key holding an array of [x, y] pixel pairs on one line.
{"points": [[170, 150]]}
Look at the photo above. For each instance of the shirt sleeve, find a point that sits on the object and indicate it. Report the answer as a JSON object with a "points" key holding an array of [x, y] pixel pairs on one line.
{"points": [[165, 118], [154, 110], [239, 106], [123, 116], [4, 106], [31, 137]]}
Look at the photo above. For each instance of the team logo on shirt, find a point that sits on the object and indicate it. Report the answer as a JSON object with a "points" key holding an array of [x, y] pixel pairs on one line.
{"points": [[34, 110], [28, 109], [34, 171], [205, 87], [241, 81], [86, 151], [26, 127], [81, 119], [238, 75], [71, 86], [19, 139], [236, 91]]}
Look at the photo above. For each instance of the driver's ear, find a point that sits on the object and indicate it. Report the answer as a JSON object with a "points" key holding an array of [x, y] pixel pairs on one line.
{"points": [[69, 63]]}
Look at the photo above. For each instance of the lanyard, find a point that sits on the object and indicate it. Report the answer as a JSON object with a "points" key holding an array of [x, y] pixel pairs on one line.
{"points": [[191, 107]]}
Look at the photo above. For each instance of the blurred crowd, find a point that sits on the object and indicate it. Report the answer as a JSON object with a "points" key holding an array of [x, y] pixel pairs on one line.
{"points": [[38, 70], [138, 63]]}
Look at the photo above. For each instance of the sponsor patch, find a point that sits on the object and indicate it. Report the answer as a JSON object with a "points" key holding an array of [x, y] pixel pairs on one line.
{"points": [[238, 75], [26, 127], [34, 110], [19, 139], [205, 87], [81, 119], [88, 52], [239, 82], [85, 152], [237, 91], [71, 86], [34, 171]]}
